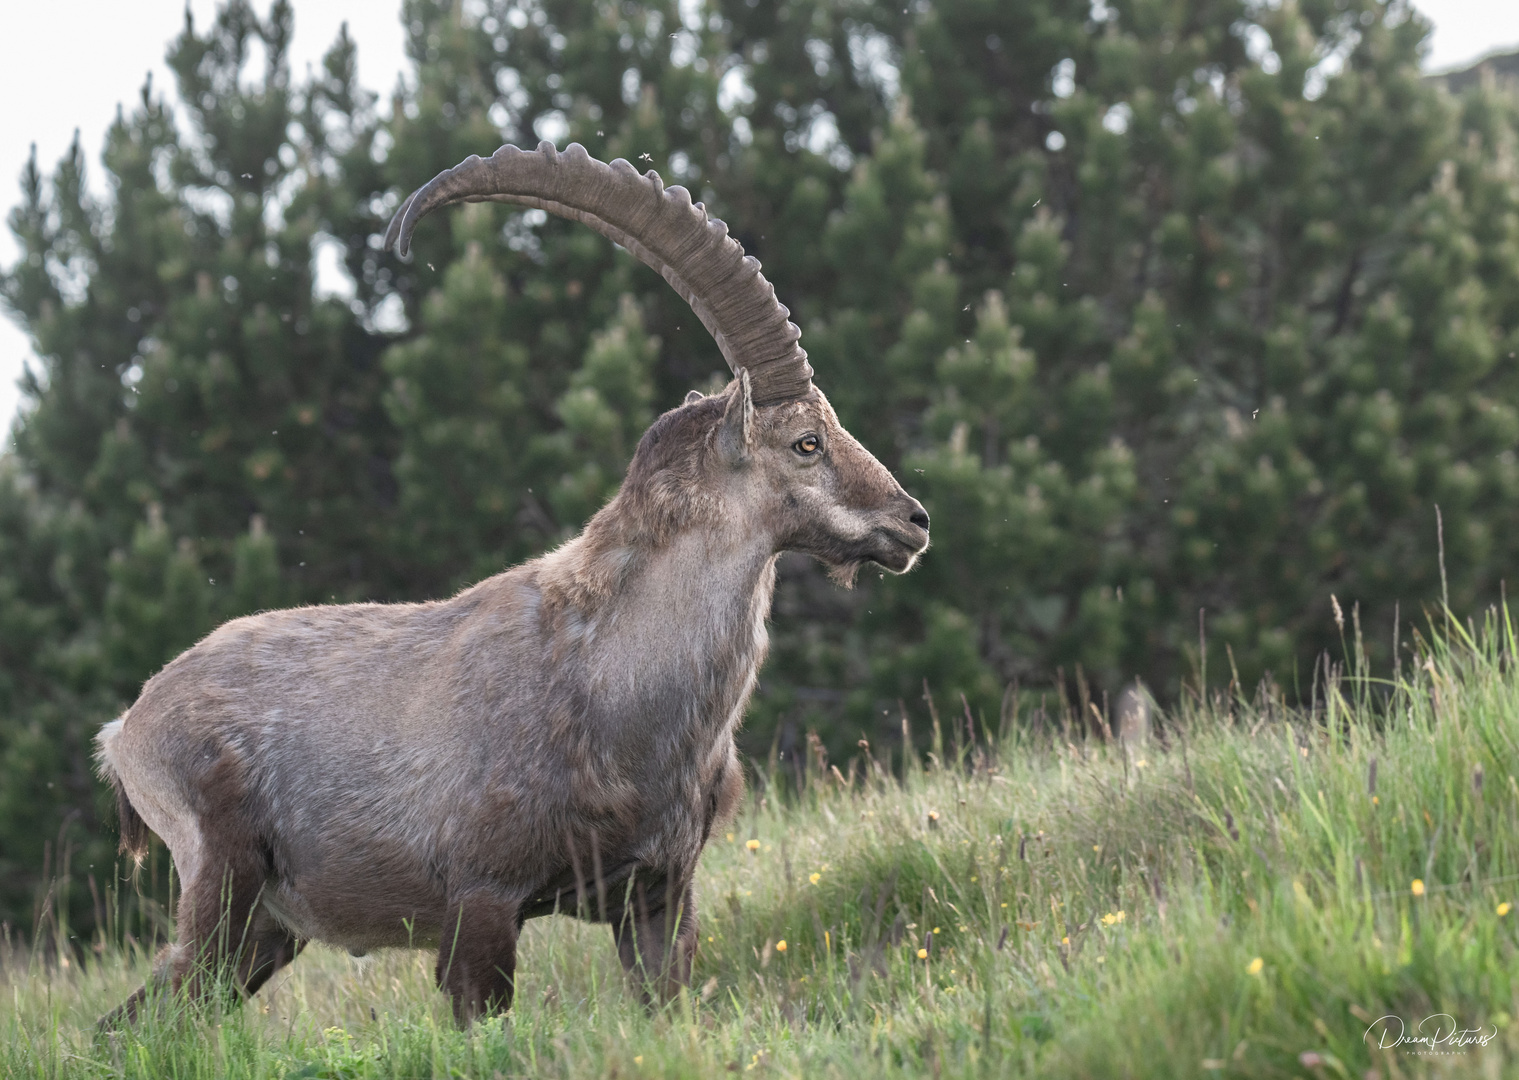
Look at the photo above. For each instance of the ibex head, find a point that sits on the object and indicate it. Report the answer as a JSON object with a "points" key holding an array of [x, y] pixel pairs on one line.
{"points": [[768, 453], [791, 471]]}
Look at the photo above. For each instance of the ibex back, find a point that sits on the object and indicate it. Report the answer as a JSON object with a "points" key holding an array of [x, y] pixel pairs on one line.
{"points": [[558, 737]]}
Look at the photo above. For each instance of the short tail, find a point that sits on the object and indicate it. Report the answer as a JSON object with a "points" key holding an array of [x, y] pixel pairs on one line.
{"points": [[134, 831]]}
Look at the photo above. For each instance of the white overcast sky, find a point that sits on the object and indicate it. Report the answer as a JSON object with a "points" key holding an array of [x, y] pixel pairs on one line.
{"points": [[69, 66]]}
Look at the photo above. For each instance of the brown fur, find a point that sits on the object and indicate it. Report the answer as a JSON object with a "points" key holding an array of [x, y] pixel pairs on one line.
{"points": [[558, 737]]}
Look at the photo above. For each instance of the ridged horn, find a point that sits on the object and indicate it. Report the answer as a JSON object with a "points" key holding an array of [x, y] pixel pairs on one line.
{"points": [[660, 226]]}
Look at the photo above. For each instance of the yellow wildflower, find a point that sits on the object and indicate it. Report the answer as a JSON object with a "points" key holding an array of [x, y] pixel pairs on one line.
{"points": [[922, 954], [780, 946], [1255, 966], [1417, 888], [752, 845]]}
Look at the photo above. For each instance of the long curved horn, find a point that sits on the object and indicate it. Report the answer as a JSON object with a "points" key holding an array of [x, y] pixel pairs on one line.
{"points": [[660, 226]]}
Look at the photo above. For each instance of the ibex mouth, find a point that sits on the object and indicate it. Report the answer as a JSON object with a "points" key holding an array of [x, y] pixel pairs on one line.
{"points": [[902, 548]]}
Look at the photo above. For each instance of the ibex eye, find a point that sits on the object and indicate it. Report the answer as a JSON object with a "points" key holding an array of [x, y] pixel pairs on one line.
{"points": [[807, 444]]}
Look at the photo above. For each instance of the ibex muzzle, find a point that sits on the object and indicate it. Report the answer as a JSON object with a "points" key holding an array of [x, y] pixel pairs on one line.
{"points": [[558, 737]]}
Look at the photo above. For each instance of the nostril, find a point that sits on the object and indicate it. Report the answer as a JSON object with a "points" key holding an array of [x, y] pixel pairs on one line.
{"points": [[920, 519]]}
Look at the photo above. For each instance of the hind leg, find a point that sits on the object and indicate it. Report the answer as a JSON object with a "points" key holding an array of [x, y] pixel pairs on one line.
{"points": [[267, 947], [218, 924], [225, 938]]}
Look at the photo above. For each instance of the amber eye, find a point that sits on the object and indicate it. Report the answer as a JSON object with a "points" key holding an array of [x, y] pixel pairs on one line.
{"points": [[807, 444]]}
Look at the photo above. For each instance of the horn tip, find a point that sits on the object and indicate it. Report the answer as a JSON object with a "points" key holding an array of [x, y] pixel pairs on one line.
{"points": [[401, 244], [396, 238]]}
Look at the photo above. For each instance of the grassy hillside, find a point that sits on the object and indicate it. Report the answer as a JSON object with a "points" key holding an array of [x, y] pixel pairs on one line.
{"points": [[1242, 898]]}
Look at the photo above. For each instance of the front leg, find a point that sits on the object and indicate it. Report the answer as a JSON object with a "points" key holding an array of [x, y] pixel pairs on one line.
{"points": [[477, 960], [656, 937]]}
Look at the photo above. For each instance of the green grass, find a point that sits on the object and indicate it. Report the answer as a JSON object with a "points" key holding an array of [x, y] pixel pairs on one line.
{"points": [[1220, 905]]}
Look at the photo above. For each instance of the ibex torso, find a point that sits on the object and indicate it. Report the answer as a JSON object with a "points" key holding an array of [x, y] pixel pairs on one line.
{"points": [[390, 752]]}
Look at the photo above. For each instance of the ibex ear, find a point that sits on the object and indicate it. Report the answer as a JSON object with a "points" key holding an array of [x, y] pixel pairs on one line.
{"points": [[736, 429], [693, 395]]}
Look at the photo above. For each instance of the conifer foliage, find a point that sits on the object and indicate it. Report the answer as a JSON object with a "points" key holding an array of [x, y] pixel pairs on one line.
{"points": [[1158, 306]]}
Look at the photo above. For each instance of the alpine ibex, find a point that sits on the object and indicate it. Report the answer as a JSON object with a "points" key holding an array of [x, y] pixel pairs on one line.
{"points": [[558, 737]]}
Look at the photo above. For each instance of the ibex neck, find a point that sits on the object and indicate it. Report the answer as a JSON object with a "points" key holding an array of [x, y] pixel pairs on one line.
{"points": [[672, 627]]}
